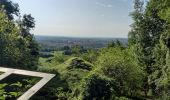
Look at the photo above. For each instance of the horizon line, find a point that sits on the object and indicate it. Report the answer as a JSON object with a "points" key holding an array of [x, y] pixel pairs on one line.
{"points": [[78, 36]]}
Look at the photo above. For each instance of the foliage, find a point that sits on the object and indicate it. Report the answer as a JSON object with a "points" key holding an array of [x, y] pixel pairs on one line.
{"points": [[122, 98], [59, 59], [75, 50], [68, 76], [18, 47], [91, 55], [95, 86], [9, 38], [140, 70], [15, 88], [79, 64], [10, 8], [121, 66], [116, 43], [73, 70], [4, 95], [144, 36]]}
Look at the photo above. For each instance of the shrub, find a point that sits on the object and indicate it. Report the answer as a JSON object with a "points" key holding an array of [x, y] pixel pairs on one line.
{"points": [[78, 63], [95, 87], [121, 66]]}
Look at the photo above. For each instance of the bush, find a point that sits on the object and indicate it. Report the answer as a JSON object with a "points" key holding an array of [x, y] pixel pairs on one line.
{"points": [[78, 63], [122, 98], [59, 59], [121, 66], [95, 87], [91, 56]]}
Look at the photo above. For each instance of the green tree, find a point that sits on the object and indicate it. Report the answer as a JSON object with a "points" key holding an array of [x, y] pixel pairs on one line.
{"points": [[91, 55], [9, 54], [121, 66], [116, 43], [95, 87], [18, 46], [162, 50], [77, 50], [137, 16], [10, 8], [144, 36]]}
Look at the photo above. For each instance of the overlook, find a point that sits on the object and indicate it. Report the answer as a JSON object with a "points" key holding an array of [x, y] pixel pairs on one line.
{"points": [[84, 50]]}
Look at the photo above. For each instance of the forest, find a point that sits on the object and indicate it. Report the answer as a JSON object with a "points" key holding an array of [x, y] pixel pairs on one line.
{"points": [[136, 70]]}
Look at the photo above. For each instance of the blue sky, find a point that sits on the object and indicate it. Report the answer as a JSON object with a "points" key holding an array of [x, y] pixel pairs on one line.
{"points": [[79, 18]]}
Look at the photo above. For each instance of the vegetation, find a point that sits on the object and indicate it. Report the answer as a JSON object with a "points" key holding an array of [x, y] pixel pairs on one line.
{"points": [[18, 48], [15, 85], [139, 70]]}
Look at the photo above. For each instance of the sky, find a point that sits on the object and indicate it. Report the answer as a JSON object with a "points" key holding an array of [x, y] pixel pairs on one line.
{"points": [[79, 18]]}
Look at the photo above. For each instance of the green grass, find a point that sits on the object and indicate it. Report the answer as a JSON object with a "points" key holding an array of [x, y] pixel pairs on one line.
{"points": [[47, 62], [72, 70], [58, 53]]}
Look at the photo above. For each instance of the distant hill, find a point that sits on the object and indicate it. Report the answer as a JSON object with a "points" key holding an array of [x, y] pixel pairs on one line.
{"points": [[59, 42]]}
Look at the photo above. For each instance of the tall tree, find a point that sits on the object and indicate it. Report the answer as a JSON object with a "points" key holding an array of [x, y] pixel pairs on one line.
{"points": [[144, 36], [162, 50], [139, 40], [137, 16], [10, 8], [22, 40]]}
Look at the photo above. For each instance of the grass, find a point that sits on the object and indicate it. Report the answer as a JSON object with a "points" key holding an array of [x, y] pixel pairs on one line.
{"points": [[47, 62], [69, 72], [72, 69]]}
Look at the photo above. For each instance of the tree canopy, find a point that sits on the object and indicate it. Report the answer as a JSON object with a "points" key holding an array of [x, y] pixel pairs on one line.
{"points": [[18, 46]]}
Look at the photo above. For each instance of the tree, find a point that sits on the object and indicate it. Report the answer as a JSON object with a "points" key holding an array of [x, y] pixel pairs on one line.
{"points": [[116, 43], [10, 8], [121, 66], [144, 36], [111, 44], [162, 50], [95, 87], [140, 40], [91, 55], [18, 46], [9, 54], [27, 24], [137, 16], [77, 50]]}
